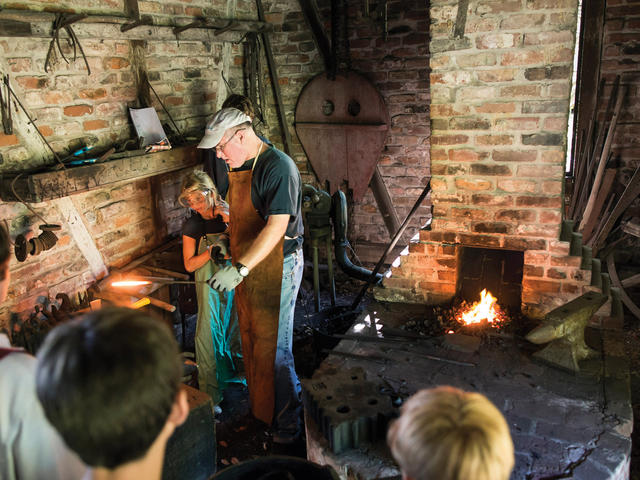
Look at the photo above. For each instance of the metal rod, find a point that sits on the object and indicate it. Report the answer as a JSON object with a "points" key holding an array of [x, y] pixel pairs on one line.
{"points": [[392, 244], [166, 111], [32, 122]]}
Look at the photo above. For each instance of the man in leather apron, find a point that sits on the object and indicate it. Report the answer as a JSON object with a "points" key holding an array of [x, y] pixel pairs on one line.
{"points": [[265, 230]]}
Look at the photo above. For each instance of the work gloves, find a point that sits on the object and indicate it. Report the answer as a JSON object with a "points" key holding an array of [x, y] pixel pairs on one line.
{"points": [[225, 279]]}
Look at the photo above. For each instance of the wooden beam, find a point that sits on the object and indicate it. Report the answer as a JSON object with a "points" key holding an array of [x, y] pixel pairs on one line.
{"points": [[22, 23], [82, 236], [312, 17], [43, 186], [274, 83]]}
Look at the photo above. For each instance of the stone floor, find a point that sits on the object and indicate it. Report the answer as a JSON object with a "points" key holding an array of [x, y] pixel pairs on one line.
{"points": [[563, 425]]}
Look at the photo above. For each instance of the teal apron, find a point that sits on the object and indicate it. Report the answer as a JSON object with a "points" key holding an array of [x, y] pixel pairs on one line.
{"points": [[217, 339]]}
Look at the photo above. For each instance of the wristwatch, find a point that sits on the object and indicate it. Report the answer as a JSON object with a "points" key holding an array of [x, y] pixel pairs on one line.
{"points": [[242, 269]]}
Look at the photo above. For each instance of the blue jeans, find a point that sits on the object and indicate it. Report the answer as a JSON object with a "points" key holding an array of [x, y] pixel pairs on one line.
{"points": [[287, 386]]}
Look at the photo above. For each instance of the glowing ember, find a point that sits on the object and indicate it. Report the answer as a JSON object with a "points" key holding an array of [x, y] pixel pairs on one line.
{"points": [[486, 309], [130, 283]]}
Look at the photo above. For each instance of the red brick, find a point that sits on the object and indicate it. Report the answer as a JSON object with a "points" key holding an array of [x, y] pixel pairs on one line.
{"points": [[491, 227], [93, 93], [496, 108], [116, 63], [519, 57], [520, 91], [495, 75], [538, 201], [514, 155], [464, 155], [398, 283], [470, 213], [513, 22], [544, 38], [94, 125], [449, 139], [437, 287], [19, 64], [550, 4], [549, 216], [473, 184], [78, 110], [57, 97], [492, 200], [494, 140], [565, 261], [7, 140], [497, 40], [536, 258], [516, 215], [556, 273], [523, 244], [533, 271], [32, 83], [479, 240], [45, 130], [546, 286]]}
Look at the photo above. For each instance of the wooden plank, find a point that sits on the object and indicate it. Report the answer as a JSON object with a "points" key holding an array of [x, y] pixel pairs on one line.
{"points": [[631, 228], [40, 187], [597, 149], [603, 193], [604, 158], [631, 281], [615, 280], [631, 192], [82, 236]]}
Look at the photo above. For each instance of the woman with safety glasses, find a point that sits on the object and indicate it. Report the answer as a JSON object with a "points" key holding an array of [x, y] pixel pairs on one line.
{"points": [[205, 249]]}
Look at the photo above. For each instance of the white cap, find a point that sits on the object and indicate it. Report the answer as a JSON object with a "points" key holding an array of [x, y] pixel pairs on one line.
{"points": [[221, 122]]}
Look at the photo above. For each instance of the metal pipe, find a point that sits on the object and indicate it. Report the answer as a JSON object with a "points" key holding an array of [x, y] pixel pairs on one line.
{"points": [[341, 243]]}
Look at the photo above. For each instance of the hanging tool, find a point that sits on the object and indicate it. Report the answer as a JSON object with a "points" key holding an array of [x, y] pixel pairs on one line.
{"points": [[5, 107], [64, 21]]}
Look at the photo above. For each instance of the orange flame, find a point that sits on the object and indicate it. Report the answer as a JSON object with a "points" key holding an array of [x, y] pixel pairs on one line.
{"points": [[485, 309], [130, 283]]}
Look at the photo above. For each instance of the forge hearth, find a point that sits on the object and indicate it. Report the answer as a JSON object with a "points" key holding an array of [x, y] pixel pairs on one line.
{"points": [[562, 425], [498, 271]]}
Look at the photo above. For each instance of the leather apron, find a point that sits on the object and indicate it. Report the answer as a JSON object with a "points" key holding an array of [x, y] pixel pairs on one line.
{"points": [[257, 297]]}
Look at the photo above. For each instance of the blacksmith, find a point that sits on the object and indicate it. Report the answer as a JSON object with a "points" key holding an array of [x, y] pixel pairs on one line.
{"points": [[265, 230]]}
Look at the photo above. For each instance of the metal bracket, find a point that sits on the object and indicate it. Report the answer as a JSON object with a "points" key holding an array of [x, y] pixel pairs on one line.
{"points": [[197, 24], [144, 20]]}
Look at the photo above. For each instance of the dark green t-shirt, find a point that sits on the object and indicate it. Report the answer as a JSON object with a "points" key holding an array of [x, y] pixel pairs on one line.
{"points": [[276, 189]]}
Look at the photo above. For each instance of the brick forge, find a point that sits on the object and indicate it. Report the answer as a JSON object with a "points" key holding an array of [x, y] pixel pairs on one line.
{"points": [[500, 88]]}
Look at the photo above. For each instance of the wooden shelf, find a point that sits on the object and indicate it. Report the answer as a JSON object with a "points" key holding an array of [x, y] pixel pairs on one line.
{"points": [[43, 186]]}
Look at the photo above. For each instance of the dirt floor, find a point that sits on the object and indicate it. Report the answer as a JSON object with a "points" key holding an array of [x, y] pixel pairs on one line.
{"points": [[241, 437]]}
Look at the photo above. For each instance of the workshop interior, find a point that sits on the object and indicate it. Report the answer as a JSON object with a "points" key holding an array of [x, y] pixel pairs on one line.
{"points": [[469, 194]]}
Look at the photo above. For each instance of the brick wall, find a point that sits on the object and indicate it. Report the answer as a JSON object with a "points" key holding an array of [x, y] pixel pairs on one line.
{"points": [[499, 107], [73, 108], [398, 67]]}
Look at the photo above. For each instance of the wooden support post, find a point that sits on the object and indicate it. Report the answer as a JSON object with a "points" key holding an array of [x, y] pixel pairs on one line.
{"points": [[274, 83]]}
